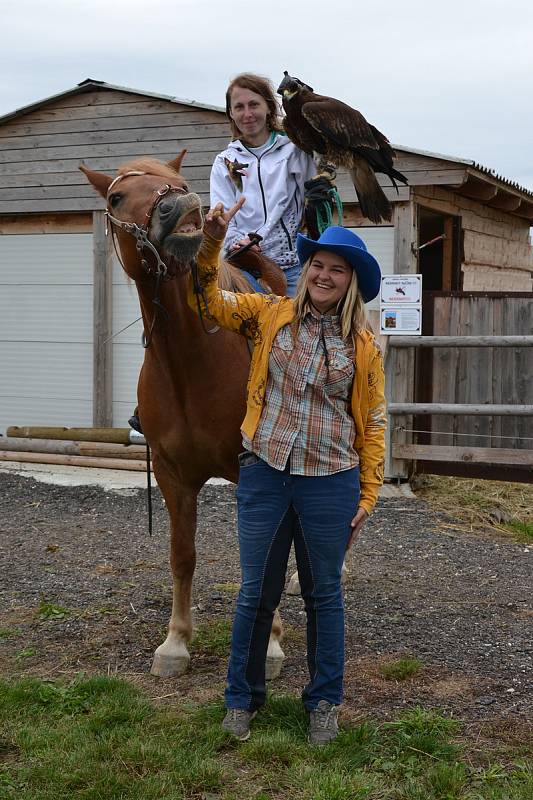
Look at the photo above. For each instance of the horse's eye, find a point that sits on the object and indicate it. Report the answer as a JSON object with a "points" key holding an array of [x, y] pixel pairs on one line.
{"points": [[115, 199]]}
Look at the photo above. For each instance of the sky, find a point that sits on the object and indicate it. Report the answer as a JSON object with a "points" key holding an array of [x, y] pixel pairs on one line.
{"points": [[454, 77]]}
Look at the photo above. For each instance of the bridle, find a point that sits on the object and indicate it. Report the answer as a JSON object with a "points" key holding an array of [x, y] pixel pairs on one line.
{"points": [[140, 232], [142, 242]]}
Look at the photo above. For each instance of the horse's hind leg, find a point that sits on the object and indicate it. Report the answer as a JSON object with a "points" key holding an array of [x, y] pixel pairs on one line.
{"points": [[172, 657], [275, 655]]}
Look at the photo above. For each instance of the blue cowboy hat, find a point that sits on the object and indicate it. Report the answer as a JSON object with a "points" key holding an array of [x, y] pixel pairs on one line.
{"points": [[351, 247]]}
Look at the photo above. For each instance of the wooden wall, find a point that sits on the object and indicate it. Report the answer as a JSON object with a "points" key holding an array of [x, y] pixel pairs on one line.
{"points": [[483, 375], [497, 252], [41, 151]]}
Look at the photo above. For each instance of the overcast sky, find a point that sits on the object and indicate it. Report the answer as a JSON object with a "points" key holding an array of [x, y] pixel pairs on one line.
{"points": [[452, 77]]}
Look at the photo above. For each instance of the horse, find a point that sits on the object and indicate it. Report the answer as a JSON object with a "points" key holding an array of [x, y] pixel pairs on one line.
{"points": [[191, 388]]}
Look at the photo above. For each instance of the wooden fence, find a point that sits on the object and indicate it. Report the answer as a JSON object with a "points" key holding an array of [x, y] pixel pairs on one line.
{"points": [[473, 387]]}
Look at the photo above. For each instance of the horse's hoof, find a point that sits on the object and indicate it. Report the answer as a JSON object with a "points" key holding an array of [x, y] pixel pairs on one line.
{"points": [[273, 667], [168, 666]]}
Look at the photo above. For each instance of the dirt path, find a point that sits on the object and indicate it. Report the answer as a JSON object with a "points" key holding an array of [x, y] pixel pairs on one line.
{"points": [[460, 604]]}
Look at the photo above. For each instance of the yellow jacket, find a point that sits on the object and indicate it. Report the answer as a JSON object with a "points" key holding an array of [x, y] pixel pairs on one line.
{"points": [[259, 318]]}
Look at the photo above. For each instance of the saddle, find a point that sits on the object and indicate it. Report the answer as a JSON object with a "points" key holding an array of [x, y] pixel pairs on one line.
{"points": [[259, 266]]}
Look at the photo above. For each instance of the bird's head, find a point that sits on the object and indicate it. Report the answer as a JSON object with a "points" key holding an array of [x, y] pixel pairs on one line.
{"points": [[290, 86]]}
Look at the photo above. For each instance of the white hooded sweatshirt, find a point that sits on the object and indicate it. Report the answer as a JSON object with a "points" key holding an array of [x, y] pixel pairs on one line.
{"points": [[271, 178]]}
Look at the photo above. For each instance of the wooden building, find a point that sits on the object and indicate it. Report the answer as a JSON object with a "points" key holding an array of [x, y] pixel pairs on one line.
{"points": [[62, 295]]}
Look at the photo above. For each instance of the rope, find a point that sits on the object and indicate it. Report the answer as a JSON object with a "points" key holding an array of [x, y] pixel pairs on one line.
{"points": [[479, 435]]}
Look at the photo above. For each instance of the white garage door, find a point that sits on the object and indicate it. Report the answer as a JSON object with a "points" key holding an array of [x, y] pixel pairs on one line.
{"points": [[128, 352], [379, 240], [46, 306]]}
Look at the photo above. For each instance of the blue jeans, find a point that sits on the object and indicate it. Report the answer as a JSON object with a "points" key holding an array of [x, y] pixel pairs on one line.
{"points": [[276, 509], [291, 276]]}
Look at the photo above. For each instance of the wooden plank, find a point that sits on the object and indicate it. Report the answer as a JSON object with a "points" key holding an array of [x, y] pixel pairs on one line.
{"points": [[461, 341], [73, 448], [429, 177], [481, 248], [473, 409], [115, 149], [55, 205], [444, 364], [102, 324], [46, 223], [115, 119], [73, 461], [123, 134], [404, 235], [72, 191], [107, 162], [471, 455], [75, 177]]}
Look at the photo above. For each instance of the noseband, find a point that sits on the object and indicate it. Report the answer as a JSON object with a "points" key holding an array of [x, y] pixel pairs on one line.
{"points": [[140, 232]]}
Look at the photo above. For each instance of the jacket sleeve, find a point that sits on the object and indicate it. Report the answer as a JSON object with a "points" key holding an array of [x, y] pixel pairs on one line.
{"points": [[222, 190], [237, 312], [372, 454]]}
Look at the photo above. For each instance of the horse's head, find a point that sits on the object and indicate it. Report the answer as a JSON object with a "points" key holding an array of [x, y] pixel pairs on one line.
{"points": [[157, 220]]}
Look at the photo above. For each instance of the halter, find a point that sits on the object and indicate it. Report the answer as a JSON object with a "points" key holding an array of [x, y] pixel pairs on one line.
{"points": [[140, 233]]}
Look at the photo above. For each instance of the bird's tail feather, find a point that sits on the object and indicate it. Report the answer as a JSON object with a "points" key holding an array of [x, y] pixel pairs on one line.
{"points": [[372, 200]]}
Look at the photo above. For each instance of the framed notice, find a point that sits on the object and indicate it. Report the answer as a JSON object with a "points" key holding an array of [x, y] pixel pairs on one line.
{"points": [[401, 305]]}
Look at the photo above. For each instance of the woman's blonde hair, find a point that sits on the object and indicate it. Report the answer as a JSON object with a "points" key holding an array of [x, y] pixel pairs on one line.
{"points": [[264, 88], [350, 308]]}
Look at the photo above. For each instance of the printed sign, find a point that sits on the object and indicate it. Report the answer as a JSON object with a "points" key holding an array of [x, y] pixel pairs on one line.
{"points": [[401, 289], [401, 305]]}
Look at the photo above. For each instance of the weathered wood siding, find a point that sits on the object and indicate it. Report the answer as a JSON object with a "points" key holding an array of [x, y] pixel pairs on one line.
{"points": [[497, 251], [41, 151], [484, 374]]}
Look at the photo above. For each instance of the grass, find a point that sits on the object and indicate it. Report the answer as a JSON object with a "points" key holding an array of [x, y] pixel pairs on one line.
{"points": [[401, 669], [48, 610], [102, 739], [212, 638], [479, 504]]}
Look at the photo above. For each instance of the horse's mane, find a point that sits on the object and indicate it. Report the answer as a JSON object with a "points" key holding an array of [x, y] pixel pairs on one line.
{"points": [[230, 277]]}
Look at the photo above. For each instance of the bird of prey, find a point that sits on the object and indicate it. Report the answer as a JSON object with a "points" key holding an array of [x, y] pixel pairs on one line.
{"points": [[337, 135]]}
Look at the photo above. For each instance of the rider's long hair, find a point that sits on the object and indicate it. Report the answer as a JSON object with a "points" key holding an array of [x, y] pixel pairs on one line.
{"points": [[261, 86], [350, 308]]}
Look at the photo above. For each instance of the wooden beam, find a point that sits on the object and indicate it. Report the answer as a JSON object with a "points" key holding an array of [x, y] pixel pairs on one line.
{"points": [[477, 410], [467, 455], [478, 189], [506, 201], [73, 461], [461, 341], [46, 223], [102, 324]]}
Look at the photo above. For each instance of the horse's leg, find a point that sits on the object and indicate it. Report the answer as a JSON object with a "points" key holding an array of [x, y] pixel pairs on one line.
{"points": [[294, 583], [172, 657], [275, 654]]}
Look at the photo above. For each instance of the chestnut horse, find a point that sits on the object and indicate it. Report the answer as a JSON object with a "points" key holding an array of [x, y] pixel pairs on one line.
{"points": [[191, 391]]}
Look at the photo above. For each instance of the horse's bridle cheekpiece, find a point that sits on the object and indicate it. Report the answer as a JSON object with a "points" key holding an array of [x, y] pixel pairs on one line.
{"points": [[140, 232]]}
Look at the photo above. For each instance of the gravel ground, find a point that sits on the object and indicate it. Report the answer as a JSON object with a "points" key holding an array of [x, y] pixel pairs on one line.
{"points": [[459, 603]]}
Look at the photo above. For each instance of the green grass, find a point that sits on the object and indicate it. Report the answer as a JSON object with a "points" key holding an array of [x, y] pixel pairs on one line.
{"points": [[9, 633], [523, 530], [400, 670], [49, 610], [101, 739], [212, 638]]}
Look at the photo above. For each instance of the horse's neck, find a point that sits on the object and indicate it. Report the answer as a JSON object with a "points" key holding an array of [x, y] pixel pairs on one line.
{"points": [[178, 338]]}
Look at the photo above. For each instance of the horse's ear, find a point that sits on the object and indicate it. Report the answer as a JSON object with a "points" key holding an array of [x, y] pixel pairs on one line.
{"points": [[175, 164], [99, 180]]}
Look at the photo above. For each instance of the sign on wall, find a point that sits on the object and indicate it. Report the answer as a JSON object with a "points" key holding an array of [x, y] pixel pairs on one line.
{"points": [[401, 305]]}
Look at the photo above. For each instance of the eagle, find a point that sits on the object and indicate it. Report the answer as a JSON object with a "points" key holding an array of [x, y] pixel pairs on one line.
{"points": [[337, 135]]}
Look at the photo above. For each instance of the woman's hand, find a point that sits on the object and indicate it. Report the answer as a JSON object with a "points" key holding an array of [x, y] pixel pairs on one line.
{"points": [[357, 523], [217, 220], [243, 243]]}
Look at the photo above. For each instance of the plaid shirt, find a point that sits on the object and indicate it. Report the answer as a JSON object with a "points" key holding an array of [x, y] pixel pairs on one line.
{"points": [[306, 413]]}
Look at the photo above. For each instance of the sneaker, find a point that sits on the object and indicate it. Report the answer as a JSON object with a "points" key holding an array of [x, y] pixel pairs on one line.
{"points": [[237, 722], [323, 727]]}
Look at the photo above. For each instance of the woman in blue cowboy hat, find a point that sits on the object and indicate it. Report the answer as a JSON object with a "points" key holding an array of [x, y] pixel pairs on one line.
{"points": [[312, 460]]}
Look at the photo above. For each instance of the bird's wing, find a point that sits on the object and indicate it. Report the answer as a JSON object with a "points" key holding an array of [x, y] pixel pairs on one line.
{"points": [[339, 123], [295, 136]]}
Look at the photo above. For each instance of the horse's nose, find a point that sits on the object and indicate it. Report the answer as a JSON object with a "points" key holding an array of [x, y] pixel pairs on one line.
{"points": [[165, 207]]}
